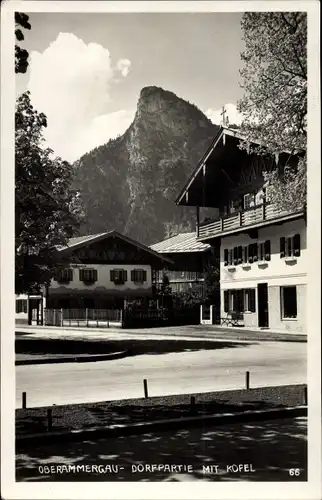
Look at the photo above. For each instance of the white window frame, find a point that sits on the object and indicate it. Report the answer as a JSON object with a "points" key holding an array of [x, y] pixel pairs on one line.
{"points": [[283, 317], [250, 196]]}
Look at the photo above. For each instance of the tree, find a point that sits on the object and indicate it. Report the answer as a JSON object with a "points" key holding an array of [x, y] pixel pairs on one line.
{"points": [[21, 55], [274, 105], [47, 210]]}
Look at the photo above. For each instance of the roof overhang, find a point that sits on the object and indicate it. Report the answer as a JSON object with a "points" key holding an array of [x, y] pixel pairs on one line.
{"points": [[220, 151], [113, 234]]}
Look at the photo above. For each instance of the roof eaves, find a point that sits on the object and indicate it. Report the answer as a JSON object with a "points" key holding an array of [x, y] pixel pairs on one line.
{"points": [[200, 165]]}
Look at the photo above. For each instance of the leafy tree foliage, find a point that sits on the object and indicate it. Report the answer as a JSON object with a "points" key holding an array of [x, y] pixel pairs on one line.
{"points": [[21, 55], [274, 78], [47, 210]]}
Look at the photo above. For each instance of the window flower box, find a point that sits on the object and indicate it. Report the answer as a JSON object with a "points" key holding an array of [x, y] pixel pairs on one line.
{"points": [[231, 268], [262, 264], [246, 266], [290, 260]]}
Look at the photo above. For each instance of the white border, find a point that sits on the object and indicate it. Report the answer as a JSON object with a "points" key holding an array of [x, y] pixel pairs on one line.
{"points": [[192, 490]]}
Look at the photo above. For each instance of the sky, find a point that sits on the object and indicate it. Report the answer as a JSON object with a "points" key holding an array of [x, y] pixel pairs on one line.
{"points": [[86, 70]]}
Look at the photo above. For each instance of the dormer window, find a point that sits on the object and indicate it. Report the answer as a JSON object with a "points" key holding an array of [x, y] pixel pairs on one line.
{"points": [[88, 276]]}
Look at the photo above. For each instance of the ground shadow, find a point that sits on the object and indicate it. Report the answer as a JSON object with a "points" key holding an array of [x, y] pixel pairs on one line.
{"points": [[133, 346], [272, 448]]}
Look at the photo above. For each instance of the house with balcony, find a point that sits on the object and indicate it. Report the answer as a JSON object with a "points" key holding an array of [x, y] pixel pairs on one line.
{"points": [[189, 257], [100, 271], [263, 254]]}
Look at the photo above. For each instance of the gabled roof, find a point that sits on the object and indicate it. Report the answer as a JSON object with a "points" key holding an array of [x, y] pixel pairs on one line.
{"points": [[181, 243], [222, 131], [81, 241]]}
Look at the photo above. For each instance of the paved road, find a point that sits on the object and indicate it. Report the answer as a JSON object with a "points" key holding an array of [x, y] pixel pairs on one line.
{"points": [[269, 363], [269, 451]]}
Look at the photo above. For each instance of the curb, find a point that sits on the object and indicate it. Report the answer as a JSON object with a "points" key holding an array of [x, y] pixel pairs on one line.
{"points": [[165, 424], [74, 359]]}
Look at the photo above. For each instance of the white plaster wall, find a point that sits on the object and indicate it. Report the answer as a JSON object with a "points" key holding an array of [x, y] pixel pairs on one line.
{"points": [[103, 278], [277, 272]]}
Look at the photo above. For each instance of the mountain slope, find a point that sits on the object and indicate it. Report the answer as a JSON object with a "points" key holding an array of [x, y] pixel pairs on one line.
{"points": [[130, 183]]}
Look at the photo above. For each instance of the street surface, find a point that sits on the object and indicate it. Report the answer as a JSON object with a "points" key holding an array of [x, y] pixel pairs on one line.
{"points": [[203, 370], [274, 450]]}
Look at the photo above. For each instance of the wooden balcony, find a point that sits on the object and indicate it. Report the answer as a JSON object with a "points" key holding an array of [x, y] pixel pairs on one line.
{"points": [[260, 215]]}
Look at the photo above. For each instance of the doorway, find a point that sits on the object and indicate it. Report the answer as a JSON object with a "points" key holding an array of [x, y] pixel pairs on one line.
{"points": [[262, 296]]}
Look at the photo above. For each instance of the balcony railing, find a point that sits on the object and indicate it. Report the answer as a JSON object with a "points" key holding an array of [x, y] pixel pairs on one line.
{"points": [[182, 276], [245, 218]]}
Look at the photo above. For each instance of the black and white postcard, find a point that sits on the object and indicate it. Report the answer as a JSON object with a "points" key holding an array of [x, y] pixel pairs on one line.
{"points": [[160, 250]]}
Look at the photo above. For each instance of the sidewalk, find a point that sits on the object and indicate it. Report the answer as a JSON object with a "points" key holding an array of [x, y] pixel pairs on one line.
{"points": [[211, 332]]}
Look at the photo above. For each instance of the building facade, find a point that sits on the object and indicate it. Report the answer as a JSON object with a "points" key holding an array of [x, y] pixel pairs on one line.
{"points": [[98, 272], [263, 251], [190, 258]]}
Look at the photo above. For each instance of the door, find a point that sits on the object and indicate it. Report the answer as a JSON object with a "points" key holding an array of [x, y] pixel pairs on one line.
{"points": [[262, 296]]}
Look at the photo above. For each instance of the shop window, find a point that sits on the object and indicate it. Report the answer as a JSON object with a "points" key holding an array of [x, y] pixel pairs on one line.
{"points": [[288, 302]]}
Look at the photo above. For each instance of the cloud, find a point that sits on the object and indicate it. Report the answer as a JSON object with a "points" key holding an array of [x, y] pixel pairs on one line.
{"points": [[123, 65], [234, 116], [70, 82]]}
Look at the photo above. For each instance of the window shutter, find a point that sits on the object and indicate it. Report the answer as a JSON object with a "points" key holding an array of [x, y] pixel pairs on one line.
{"points": [[112, 275], [230, 257], [297, 245], [124, 273], [226, 300], [133, 275], [81, 275], [70, 274], [144, 275], [95, 275], [255, 252], [240, 254], [245, 254], [267, 249], [282, 248], [226, 257], [252, 301], [250, 253], [235, 256]]}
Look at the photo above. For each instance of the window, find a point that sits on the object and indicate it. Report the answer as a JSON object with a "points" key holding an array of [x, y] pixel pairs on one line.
{"points": [[291, 246], [88, 276], [138, 275], [249, 200], [119, 276], [252, 253], [226, 300], [21, 306], [245, 257], [288, 302], [265, 250], [64, 275], [250, 301]]}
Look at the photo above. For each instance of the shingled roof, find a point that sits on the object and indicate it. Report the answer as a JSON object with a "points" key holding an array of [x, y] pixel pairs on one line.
{"points": [[181, 243]]}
